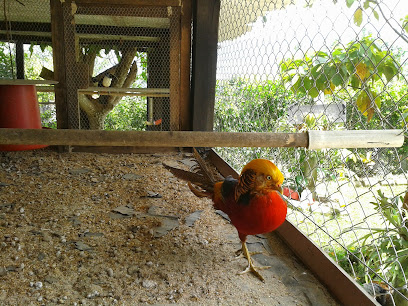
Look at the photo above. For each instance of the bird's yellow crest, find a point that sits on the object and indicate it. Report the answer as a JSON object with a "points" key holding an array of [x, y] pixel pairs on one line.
{"points": [[266, 167]]}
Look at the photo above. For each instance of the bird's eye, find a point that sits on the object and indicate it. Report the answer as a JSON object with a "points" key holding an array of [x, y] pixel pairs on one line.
{"points": [[268, 177]]}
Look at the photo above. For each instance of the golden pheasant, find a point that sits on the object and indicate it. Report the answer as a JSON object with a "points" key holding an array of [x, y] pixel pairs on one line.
{"points": [[253, 202]]}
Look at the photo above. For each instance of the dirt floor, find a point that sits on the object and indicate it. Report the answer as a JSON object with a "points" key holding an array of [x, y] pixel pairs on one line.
{"points": [[99, 229]]}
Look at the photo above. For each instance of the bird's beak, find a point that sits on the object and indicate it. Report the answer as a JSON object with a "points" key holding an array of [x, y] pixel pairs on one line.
{"points": [[277, 187]]}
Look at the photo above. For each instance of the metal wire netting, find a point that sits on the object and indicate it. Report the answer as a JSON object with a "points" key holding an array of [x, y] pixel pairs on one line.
{"points": [[25, 47], [293, 66], [120, 62], [130, 60]]}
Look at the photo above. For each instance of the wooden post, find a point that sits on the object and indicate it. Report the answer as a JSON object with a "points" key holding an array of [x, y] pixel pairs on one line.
{"points": [[174, 63], [185, 58], [205, 40], [57, 31], [20, 59]]}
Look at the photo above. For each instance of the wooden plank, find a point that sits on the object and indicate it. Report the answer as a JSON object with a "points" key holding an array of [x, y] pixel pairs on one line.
{"points": [[122, 21], [355, 139], [57, 30], [14, 33], [178, 138], [27, 82], [129, 2], [174, 61], [138, 11], [122, 150], [185, 60], [151, 139], [205, 40], [121, 31], [335, 279], [145, 91], [103, 37]]}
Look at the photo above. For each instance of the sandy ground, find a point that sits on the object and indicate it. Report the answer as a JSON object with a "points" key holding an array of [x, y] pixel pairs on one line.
{"points": [[99, 229]]}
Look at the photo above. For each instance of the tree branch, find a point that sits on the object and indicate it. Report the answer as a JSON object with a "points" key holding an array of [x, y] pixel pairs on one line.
{"points": [[402, 35]]}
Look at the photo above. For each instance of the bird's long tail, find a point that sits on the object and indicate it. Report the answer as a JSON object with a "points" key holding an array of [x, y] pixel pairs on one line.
{"points": [[200, 178]]}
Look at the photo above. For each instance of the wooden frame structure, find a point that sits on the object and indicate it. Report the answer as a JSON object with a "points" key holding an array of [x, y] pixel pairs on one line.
{"points": [[194, 111], [75, 80]]}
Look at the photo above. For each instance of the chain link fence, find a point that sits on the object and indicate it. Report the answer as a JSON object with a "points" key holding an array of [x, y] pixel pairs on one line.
{"points": [[127, 51], [293, 66], [25, 47], [120, 61]]}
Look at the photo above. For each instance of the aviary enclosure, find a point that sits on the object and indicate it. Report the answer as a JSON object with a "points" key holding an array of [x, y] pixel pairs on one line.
{"points": [[281, 66]]}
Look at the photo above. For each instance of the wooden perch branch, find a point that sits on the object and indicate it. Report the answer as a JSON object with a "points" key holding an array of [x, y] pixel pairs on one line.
{"points": [[324, 139], [47, 74]]}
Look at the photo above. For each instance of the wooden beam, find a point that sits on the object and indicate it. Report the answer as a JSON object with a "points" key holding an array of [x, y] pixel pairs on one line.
{"points": [[151, 139], [121, 31], [20, 59], [335, 279], [174, 68], [57, 30], [129, 2], [112, 91], [185, 60], [26, 38], [190, 138], [204, 61], [123, 21], [355, 139]]}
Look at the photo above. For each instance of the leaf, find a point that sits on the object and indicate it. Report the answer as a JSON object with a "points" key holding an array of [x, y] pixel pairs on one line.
{"points": [[388, 72], [376, 15], [358, 16], [313, 92], [337, 79], [366, 4], [405, 23], [349, 3]]}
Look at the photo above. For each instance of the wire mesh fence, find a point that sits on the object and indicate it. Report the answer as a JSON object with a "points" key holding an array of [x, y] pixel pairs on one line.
{"points": [[128, 55], [292, 66], [25, 47], [122, 63]]}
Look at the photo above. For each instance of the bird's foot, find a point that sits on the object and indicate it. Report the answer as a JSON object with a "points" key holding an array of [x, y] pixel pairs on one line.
{"points": [[253, 269], [240, 254]]}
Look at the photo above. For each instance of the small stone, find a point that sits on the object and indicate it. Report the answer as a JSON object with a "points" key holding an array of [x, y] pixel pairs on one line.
{"points": [[149, 263], [109, 271], [22, 210], [133, 270], [3, 271], [148, 284], [38, 285]]}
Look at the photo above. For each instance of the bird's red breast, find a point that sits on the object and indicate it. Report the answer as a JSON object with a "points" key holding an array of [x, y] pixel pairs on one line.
{"points": [[251, 214]]}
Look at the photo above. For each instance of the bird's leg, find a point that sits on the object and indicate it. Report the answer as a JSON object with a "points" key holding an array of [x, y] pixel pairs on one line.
{"points": [[251, 267], [240, 253]]}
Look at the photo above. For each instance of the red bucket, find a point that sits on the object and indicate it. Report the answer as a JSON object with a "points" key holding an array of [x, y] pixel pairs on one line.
{"points": [[19, 109]]}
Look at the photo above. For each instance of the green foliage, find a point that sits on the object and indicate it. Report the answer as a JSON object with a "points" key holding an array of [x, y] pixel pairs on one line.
{"points": [[6, 65], [130, 114], [385, 249], [239, 100], [361, 65]]}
